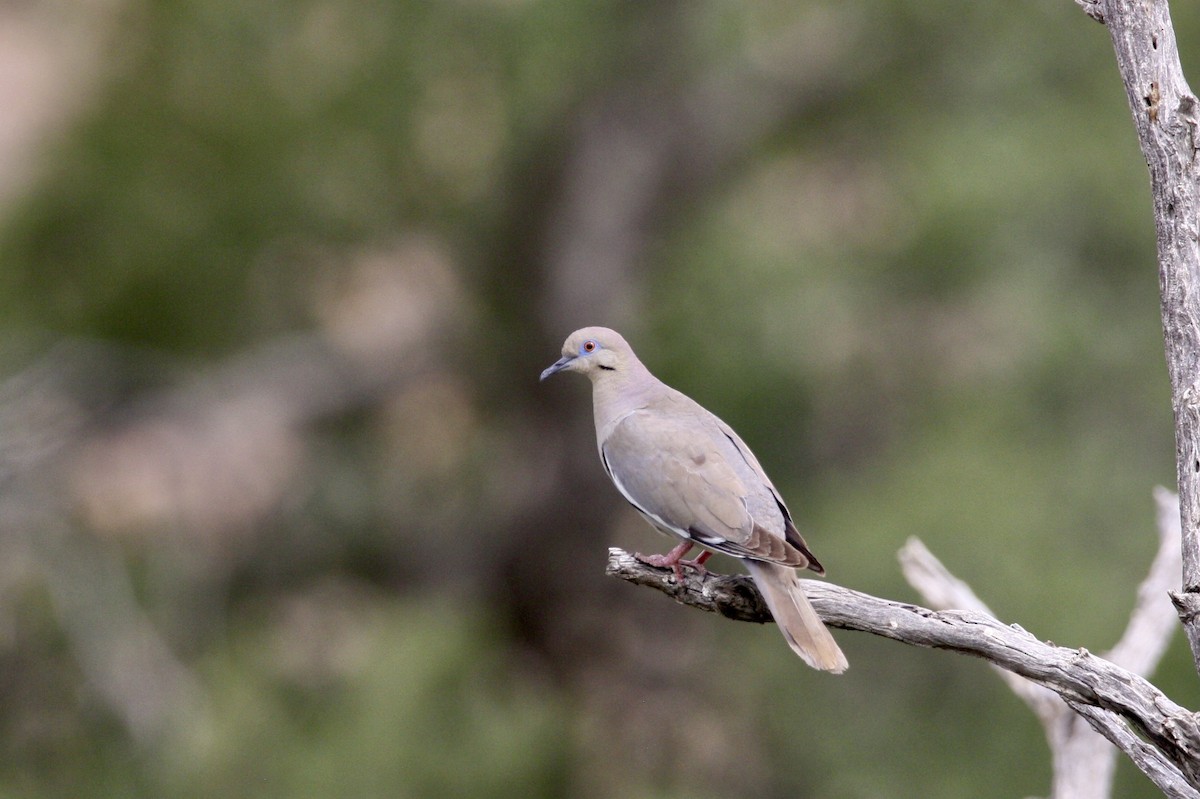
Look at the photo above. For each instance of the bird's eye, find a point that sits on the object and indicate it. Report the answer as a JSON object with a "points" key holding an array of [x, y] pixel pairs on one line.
{"points": [[589, 346]]}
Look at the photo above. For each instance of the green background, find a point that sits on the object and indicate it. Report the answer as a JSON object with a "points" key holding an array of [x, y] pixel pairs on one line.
{"points": [[287, 514]]}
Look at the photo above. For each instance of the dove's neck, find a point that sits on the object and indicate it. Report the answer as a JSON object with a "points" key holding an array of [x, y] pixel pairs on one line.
{"points": [[616, 394]]}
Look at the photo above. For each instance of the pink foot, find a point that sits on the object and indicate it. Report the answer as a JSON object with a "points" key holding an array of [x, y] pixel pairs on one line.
{"points": [[698, 563], [675, 560]]}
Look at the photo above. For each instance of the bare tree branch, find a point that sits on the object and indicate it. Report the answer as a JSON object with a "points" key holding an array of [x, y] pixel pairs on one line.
{"points": [[1165, 118], [1083, 761], [943, 591], [1152, 622], [1149, 760], [1074, 674], [1093, 8]]}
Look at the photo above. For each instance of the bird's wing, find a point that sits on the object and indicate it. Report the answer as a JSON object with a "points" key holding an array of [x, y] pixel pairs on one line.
{"points": [[748, 461], [679, 471]]}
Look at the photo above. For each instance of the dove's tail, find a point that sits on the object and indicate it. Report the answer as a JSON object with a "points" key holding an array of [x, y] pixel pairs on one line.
{"points": [[806, 634]]}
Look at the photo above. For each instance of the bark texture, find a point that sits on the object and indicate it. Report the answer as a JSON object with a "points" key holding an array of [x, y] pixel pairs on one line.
{"points": [[1162, 737], [1165, 116]]}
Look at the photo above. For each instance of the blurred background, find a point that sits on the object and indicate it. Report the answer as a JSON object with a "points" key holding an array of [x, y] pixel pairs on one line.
{"points": [[285, 513]]}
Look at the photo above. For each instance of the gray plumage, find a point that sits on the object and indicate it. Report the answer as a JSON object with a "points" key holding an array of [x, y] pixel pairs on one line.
{"points": [[691, 476]]}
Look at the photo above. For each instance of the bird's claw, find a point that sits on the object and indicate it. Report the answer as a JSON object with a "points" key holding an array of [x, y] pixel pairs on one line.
{"points": [[675, 561]]}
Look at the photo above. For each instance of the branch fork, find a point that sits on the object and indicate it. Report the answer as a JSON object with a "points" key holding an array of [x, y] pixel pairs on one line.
{"points": [[1083, 701]]}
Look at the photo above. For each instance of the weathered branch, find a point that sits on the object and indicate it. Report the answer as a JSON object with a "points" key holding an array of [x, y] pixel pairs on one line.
{"points": [[1074, 674], [1083, 761], [1165, 117], [1093, 8], [1151, 623], [1149, 760], [943, 591]]}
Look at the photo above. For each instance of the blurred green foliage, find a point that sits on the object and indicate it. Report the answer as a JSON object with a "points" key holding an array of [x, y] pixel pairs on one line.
{"points": [[926, 295], [423, 706]]}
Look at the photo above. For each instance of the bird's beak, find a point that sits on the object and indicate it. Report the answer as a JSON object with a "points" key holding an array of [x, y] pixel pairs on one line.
{"points": [[556, 367]]}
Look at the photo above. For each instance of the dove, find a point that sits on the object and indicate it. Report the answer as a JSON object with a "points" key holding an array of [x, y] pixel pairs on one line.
{"points": [[692, 477]]}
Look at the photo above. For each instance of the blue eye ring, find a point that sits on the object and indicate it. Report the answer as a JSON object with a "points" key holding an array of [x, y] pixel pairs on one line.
{"points": [[589, 346]]}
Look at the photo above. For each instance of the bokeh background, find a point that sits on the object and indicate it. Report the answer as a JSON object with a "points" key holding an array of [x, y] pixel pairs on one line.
{"points": [[285, 513]]}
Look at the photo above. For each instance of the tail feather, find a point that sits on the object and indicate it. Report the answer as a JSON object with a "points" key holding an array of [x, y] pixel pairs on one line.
{"points": [[806, 634]]}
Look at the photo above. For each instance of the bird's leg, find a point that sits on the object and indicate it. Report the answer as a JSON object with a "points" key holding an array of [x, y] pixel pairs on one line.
{"points": [[675, 559], [671, 558], [698, 563]]}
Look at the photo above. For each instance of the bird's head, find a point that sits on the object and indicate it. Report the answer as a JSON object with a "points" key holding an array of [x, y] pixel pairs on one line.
{"points": [[593, 351]]}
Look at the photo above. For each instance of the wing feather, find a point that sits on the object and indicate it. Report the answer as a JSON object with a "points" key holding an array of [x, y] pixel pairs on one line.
{"points": [[687, 478]]}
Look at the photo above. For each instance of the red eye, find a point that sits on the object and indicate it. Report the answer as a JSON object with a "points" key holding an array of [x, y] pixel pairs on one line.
{"points": [[589, 346]]}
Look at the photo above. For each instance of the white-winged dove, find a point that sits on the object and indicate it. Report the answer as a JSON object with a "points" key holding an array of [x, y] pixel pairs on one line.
{"points": [[692, 477]]}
